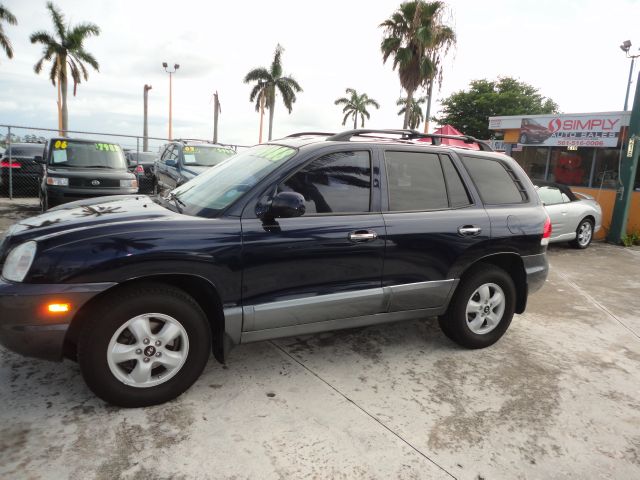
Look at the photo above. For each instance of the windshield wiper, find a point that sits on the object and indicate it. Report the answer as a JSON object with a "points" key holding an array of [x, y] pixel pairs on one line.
{"points": [[177, 202], [98, 166]]}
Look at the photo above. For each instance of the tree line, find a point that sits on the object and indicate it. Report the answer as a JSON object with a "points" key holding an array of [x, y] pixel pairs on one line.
{"points": [[416, 39]]}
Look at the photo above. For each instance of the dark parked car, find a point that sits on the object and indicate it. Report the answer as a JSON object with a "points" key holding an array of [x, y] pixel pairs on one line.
{"points": [[182, 160], [78, 168], [141, 165], [25, 171], [302, 235]]}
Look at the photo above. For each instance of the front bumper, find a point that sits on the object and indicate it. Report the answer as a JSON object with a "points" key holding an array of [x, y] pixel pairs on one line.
{"points": [[59, 195], [26, 326]]}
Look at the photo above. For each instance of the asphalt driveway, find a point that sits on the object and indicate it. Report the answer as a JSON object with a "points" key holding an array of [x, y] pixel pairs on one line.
{"points": [[557, 397]]}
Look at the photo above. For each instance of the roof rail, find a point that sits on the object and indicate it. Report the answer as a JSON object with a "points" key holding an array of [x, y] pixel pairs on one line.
{"points": [[304, 134], [406, 134]]}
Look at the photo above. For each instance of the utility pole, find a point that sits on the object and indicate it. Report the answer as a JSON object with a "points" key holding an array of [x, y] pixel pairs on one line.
{"points": [[145, 130], [627, 174], [175, 69], [216, 110]]}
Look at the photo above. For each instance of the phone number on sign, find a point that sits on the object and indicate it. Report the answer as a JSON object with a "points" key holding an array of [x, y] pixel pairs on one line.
{"points": [[580, 143]]}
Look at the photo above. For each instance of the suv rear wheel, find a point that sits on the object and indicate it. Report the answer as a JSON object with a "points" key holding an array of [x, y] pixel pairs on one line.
{"points": [[481, 309], [144, 345]]}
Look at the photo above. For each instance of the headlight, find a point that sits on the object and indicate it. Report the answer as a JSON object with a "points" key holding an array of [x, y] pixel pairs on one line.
{"points": [[60, 181], [19, 261], [129, 183]]}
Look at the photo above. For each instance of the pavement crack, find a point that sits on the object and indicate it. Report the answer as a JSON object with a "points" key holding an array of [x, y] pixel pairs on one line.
{"points": [[365, 411], [590, 298]]}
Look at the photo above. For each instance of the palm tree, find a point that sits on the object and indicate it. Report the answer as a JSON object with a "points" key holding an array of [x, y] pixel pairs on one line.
{"points": [[6, 16], [415, 110], [356, 105], [410, 36], [65, 50], [269, 81]]}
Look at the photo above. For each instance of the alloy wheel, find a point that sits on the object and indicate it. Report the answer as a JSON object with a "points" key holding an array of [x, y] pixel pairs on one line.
{"points": [[485, 308]]}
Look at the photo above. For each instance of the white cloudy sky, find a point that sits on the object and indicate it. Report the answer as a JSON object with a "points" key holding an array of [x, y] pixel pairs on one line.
{"points": [[566, 48]]}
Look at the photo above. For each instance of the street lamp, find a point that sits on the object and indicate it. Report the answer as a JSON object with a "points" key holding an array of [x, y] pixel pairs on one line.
{"points": [[175, 69], [625, 47]]}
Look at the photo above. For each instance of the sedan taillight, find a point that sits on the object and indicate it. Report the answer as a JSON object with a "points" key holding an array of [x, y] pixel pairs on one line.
{"points": [[546, 232], [5, 164]]}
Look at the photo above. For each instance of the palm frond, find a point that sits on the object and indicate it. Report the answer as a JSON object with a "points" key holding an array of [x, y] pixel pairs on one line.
{"points": [[7, 16], [58, 20], [5, 43], [258, 74], [276, 64], [84, 56]]}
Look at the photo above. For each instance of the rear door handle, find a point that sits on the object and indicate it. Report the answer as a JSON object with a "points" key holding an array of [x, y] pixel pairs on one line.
{"points": [[362, 236], [469, 230]]}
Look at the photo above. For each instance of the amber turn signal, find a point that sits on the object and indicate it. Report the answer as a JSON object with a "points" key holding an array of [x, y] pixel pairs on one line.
{"points": [[58, 307]]}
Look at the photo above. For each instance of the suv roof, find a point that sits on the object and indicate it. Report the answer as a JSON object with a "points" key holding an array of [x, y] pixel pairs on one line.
{"points": [[400, 136]]}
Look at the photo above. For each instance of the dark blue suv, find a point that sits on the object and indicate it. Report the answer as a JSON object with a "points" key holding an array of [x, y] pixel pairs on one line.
{"points": [[302, 235]]}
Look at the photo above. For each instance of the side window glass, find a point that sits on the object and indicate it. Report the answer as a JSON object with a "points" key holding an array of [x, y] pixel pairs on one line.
{"points": [[496, 182], [458, 195], [174, 154], [416, 181], [565, 198], [335, 183], [550, 195], [165, 154]]}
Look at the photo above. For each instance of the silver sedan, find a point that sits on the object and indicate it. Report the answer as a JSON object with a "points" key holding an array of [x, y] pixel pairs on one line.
{"points": [[575, 217]]}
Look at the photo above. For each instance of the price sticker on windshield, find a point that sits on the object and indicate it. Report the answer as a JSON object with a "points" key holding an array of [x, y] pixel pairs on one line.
{"points": [[106, 147], [225, 150], [60, 145], [189, 149]]}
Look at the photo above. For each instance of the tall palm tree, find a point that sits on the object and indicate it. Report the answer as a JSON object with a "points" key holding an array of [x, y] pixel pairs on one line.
{"points": [[6, 16], [65, 50], [410, 37], [415, 110], [356, 105], [269, 82]]}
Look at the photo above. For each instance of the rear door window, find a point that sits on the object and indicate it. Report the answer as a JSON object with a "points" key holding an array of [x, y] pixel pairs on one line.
{"points": [[495, 181], [415, 182], [458, 195]]}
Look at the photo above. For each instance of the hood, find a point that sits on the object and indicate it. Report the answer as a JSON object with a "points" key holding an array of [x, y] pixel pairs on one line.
{"points": [[90, 213], [193, 170]]}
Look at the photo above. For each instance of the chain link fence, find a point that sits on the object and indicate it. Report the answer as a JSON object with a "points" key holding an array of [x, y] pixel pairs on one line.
{"points": [[20, 172]]}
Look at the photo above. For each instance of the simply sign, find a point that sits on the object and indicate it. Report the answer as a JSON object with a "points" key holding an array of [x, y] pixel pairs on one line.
{"points": [[572, 131]]}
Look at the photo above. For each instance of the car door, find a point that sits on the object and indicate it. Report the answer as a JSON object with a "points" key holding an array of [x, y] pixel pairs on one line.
{"points": [[558, 210], [324, 265], [433, 223], [161, 168], [173, 167]]}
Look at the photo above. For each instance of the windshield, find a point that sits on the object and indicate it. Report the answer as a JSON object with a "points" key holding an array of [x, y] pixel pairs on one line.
{"points": [[83, 154], [217, 188], [142, 157], [205, 156], [22, 150]]}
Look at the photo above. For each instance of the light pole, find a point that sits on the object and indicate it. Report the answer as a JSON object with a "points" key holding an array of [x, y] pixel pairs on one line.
{"points": [[625, 47], [175, 69], [145, 128]]}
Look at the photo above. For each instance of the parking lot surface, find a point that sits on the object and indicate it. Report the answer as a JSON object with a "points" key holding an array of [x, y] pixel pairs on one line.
{"points": [[557, 397]]}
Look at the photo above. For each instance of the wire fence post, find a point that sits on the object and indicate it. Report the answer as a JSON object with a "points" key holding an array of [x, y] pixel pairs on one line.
{"points": [[10, 164]]}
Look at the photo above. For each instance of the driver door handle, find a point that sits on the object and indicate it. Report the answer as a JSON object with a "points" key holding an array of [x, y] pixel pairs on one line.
{"points": [[362, 236], [469, 230]]}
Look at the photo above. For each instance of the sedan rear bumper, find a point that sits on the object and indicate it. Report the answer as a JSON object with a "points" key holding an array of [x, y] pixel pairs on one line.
{"points": [[26, 325]]}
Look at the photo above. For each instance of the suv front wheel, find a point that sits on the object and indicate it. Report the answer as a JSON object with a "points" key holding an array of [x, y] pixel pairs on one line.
{"points": [[144, 345], [481, 309]]}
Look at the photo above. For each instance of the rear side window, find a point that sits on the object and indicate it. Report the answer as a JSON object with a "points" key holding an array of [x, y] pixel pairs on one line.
{"points": [[495, 181], [335, 183], [416, 181], [458, 195]]}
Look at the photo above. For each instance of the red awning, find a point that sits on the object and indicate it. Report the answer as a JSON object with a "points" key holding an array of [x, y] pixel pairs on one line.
{"points": [[449, 130]]}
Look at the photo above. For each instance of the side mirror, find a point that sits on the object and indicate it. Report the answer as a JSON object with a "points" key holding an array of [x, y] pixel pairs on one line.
{"points": [[287, 205], [39, 159]]}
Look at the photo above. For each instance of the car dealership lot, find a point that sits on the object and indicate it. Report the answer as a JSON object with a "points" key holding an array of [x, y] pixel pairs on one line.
{"points": [[557, 397]]}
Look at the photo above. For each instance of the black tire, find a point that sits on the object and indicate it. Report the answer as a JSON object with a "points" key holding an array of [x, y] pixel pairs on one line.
{"points": [[155, 190], [113, 312], [455, 322], [580, 242]]}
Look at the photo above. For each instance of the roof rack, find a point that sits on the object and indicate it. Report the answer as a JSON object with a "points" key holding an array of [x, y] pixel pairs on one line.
{"points": [[306, 134], [406, 134]]}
